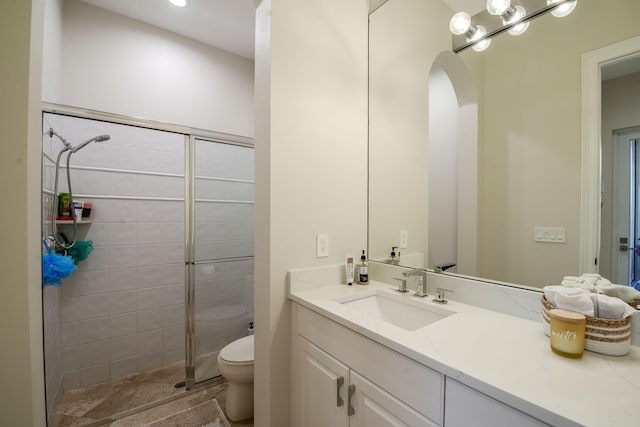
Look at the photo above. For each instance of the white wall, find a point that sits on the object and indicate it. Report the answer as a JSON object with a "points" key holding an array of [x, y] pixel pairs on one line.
{"points": [[116, 64], [443, 169], [52, 61], [532, 137], [311, 155], [21, 360]]}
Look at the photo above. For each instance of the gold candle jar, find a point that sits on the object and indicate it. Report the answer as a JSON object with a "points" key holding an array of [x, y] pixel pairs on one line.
{"points": [[567, 330]]}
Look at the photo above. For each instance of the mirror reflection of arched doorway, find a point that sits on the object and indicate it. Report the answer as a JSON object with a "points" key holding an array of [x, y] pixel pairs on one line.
{"points": [[453, 166]]}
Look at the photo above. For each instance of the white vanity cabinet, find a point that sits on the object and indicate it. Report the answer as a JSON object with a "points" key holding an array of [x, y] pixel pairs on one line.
{"points": [[466, 407], [331, 394], [341, 378]]}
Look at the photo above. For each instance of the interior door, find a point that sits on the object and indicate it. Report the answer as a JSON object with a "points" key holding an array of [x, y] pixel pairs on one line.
{"points": [[626, 227]]}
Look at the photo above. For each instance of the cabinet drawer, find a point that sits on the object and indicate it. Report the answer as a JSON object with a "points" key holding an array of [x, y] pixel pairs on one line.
{"points": [[416, 385], [465, 407]]}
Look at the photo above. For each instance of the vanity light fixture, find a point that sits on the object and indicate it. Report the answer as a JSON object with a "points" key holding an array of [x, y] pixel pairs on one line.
{"points": [[564, 9], [460, 24], [179, 3], [476, 32]]}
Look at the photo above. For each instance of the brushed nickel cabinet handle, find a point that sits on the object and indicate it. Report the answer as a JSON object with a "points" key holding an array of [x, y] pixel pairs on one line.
{"points": [[339, 383], [350, 409]]}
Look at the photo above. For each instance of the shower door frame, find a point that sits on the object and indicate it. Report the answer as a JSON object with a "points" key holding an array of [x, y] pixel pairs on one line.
{"points": [[190, 134]]}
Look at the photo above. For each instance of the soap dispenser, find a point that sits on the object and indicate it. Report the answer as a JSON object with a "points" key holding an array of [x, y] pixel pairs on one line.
{"points": [[393, 260], [363, 270]]}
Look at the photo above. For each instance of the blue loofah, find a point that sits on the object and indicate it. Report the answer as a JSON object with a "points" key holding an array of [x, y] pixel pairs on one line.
{"points": [[56, 267]]}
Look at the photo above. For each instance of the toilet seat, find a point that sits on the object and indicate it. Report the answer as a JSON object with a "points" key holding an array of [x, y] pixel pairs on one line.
{"points": [[239, 352]]}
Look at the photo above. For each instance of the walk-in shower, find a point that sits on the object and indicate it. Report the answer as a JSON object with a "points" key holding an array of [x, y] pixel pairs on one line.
{"points": [[54, 241], [170, 279]]}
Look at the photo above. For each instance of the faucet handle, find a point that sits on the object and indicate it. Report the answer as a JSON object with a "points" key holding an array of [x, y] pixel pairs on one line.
{"points": [[440, 295], [403, 285]]}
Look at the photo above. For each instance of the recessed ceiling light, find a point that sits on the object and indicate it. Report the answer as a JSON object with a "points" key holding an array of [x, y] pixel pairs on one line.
{"points": [[179, 3]]}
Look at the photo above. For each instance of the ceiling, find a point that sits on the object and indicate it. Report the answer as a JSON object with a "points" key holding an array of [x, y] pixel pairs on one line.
{"points": [[225, 24], [230, 24]]}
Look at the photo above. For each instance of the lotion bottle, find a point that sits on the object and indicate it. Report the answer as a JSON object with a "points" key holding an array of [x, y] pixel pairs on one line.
{"points": [[350, 270], [363, 270]]}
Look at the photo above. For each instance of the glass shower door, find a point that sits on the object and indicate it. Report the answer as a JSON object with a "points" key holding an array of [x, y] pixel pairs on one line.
{"points": [[222, 250]]}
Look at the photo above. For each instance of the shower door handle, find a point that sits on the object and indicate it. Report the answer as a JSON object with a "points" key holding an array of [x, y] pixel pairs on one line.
{"points": [[339, 383]]}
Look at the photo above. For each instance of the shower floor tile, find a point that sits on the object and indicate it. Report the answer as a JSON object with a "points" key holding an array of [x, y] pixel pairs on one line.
{"points": [[130, 402]]}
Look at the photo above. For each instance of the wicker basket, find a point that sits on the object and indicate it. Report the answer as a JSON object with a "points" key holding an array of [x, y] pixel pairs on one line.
{"points": [[605, 336]]}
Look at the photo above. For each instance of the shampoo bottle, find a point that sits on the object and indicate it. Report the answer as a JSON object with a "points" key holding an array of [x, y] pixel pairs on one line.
{"points": [[363, 270]]}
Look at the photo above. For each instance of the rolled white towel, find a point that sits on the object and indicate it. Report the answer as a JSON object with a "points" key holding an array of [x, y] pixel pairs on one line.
{"points": [[567, 280], [607, 289], [626, 293], [587, 286], [603, 282], [612, 308], [569, 299], [550, 293]]}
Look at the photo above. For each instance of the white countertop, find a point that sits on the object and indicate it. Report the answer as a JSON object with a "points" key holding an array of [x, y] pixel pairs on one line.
{"points": [[505, 357]]}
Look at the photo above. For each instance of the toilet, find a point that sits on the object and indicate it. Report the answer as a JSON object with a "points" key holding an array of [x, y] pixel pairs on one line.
{"points": [[235, 363]]}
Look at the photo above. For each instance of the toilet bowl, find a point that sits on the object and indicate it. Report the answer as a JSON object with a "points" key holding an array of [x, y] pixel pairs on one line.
{"points": [[235, 363]]}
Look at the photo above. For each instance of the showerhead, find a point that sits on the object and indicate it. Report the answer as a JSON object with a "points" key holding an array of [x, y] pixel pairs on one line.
{"points": [[99, 138]]}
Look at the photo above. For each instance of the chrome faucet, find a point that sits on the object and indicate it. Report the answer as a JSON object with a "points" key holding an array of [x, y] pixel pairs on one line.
{"points": [[421, 281]]}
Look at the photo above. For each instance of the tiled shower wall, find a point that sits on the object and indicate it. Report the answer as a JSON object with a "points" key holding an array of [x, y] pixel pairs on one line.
{"points": [[123, 310]]}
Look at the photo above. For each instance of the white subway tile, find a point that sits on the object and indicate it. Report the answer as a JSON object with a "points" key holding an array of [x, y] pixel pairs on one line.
{"points": [[174, 315], [70, 359], [122, 302], [98, 260], [71, 380], [173, 336], [149, 319], [172, 295], [159, 275], [93, 329], [69, 334], [90, 306], [122, 279], [93, 282], [94, 375], [98, 233], [122, 211], [149, 341], [122, 233], [150, 361], [124, 324], [124, 347], [122, 256], [173, 354], [94, 353], [122, 368], [69, 309], [149, 298], [122, 184]]}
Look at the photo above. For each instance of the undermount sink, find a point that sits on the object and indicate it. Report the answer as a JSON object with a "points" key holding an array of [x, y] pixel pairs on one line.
{"points": [[408, 315]]}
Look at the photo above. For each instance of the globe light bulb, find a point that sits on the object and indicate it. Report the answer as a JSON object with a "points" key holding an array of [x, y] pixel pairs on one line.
{"points": [[460, 23], [564, 9], [481, 45], [498, 7], [520, 27]]}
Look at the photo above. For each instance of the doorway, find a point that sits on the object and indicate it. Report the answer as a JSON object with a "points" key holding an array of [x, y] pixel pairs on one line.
{"points": [[626, 208]]}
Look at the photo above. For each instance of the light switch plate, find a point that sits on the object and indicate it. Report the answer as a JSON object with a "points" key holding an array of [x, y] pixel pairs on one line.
{"points": [[549, 234], [403, 239], [322, 245]]}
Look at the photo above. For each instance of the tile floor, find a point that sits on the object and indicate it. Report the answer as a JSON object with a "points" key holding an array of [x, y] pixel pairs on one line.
{"points": [[133, 401]]}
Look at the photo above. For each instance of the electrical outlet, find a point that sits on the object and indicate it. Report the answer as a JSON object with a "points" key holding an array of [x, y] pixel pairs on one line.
{"points": [[403, 239], [322, 245]]}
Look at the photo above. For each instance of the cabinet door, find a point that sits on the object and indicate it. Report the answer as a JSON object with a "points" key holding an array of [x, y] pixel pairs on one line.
{"points": [[375, 407], [466, 407], [322, 386]]}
